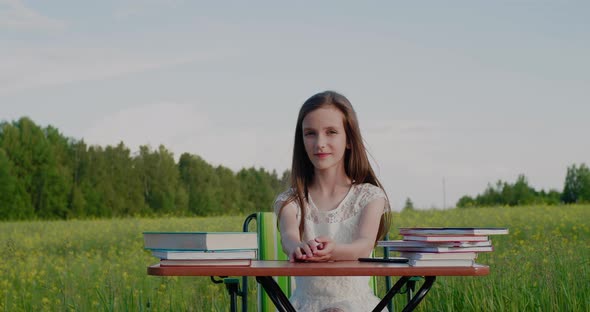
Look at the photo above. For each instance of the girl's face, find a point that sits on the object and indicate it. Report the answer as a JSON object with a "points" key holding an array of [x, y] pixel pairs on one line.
{"points": [[324, 137]]}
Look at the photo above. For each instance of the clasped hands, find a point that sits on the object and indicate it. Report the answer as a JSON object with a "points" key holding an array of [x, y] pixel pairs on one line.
{"points": [[314, 250]]}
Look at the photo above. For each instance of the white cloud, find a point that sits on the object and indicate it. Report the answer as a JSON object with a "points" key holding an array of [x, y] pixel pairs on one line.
{"points": [[162, 123], [246, 147], [130, 8], [26, 68], [184, 128], [15, 15]]}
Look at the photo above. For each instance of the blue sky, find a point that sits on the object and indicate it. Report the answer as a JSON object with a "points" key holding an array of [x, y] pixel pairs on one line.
{"points": [[466, 91]]}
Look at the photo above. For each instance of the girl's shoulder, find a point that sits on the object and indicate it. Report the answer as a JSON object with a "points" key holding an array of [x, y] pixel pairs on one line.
{"points": [[368, 188], [282, 197], [367, 192]]}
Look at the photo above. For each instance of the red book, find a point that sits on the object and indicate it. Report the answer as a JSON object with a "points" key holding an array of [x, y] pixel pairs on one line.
{"points": [[445, 238]]}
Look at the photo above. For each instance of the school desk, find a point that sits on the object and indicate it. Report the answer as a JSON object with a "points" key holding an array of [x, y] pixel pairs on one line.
{"points": [[264, 270]]}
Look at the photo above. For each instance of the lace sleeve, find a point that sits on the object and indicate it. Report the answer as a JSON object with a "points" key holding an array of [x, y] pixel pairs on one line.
{"points": [[370, 193], [280, 200]]}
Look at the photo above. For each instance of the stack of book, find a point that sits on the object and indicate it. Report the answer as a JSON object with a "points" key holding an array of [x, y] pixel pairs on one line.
{"points": [[442, 246], [202, 248]]}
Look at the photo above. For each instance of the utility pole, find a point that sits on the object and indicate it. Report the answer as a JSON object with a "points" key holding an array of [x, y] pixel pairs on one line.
{"points": [[444, 194]]}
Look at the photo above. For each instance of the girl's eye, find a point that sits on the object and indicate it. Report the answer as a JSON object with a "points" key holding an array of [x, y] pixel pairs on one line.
{"points": [[308, 134], [332, 132]]}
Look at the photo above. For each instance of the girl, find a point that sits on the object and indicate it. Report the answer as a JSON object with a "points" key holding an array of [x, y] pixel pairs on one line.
{"points": [[335, 209]]}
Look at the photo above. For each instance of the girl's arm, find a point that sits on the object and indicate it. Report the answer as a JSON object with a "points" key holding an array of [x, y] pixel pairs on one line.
{"points": [[365, 239], [290, 238]]}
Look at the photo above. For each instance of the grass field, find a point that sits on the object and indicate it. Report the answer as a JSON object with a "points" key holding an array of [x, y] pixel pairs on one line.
{"points": [[100, 265]]}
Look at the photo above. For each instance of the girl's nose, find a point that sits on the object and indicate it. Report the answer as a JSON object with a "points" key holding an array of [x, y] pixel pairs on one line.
{"points": [[321, 142]]}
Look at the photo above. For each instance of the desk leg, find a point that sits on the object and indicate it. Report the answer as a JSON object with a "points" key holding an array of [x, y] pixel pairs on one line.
{"points": [[414, 301], [394, 290], [412, 304], [275, 293], [233, 294]]}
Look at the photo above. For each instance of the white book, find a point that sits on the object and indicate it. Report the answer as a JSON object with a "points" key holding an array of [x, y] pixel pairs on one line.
{"points": [[443, 249], [204, 255], [453, 231], [404, 243], [200, 240], [441, 263], [226, 262]]}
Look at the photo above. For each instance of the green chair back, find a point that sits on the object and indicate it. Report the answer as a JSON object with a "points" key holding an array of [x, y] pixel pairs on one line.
{"points": [[269, 248]]}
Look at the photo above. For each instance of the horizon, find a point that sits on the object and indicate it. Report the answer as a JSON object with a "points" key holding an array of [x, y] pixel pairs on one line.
{"points": [[176, 157]]}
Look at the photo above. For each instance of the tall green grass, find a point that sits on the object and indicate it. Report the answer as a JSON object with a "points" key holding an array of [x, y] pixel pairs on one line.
{"points": [[542, 265], [100, 265]]}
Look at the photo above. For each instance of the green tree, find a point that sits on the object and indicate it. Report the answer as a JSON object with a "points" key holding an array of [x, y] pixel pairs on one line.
{"points": [[408, 205], [159, 178], [520, 193], [230, 192], [577, 185], [492, 195], [110, 182], [202, 184], [94, 182], [35, 164], [79, 162], [285, 181], [125, 196], [552, 197], [466, 202], [257, 189], [14, 201]]}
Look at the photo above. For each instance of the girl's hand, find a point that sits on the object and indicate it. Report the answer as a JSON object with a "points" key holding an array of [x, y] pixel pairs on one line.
{"points": [[304, 251], [324, 248]]}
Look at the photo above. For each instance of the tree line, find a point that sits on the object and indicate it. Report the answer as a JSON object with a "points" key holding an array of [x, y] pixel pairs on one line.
{"points": [[45, 175], [576, 189]]}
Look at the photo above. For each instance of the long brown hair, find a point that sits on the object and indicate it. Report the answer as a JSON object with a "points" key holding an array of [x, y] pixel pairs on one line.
{"points": [[356, 162]]}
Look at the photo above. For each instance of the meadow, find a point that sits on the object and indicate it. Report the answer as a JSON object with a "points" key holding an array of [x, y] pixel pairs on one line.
{"points": [[100, 265]]}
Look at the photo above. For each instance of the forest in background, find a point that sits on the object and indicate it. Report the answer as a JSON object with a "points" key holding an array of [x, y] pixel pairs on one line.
{"points": [[46, 175], [576, 190]]}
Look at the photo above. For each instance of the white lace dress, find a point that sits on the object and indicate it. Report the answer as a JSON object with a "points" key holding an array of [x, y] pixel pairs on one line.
{"points": [[348, 293]]}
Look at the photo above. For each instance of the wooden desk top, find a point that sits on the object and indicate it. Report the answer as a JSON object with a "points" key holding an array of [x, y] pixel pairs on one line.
{"points": [[338, 268]]}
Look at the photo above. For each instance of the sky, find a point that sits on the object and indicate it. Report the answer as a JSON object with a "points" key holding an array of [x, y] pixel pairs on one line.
{"points": [[450, 95]]}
